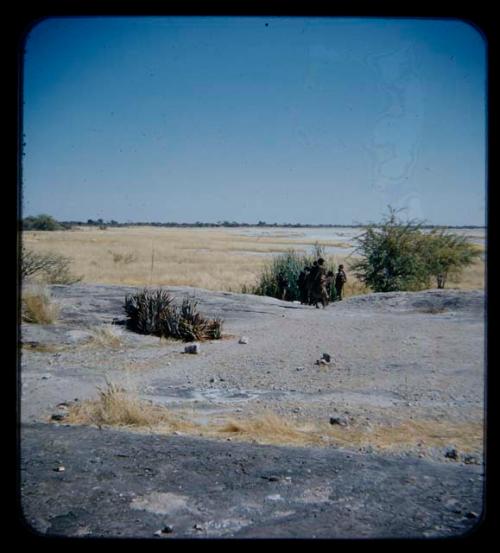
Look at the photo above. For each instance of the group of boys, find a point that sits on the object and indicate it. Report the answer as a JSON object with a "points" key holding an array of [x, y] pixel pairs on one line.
{"points": [[315, 284]]}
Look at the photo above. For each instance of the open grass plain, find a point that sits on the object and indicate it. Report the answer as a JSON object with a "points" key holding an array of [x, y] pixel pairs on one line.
{"points": [[125, 435], [212, 258]]}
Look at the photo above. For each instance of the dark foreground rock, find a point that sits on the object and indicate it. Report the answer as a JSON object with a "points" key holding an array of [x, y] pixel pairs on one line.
{"points": [[123, 484]]}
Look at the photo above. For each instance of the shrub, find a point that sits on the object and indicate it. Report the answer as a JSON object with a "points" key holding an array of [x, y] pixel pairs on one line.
{"points": [[51, 267], [288, 266], [397, 255], [153, 312], [42, 222], [37, 307], [448, 254]]}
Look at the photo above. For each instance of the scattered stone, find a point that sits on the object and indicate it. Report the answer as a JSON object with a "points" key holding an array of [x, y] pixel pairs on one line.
{"points": [[243, 340], [167, 529], [271, 478], [300, 368], [274, 497], [212, 380], [199, 527], [451, 453], [57, 417], [342, 421], [471, 514], [59, 469], [192, 348], [327, 357], [471, 460]]}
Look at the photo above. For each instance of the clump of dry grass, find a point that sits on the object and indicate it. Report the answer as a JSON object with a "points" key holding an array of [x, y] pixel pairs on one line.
{"points": [[107, 336], [37, 306], [409, 434], [115, 406], [268, 428]]}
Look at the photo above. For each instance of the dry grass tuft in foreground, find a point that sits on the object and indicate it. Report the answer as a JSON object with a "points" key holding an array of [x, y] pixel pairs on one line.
{"points": [[37, 307], [107, 336], [269, 428], [116, 406]]}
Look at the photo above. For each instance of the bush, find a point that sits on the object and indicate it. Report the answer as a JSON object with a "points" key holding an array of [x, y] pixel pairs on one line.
{"points": [[37, 307], [288, 266], [50, 267], [153, 312], [398, 255], [42, 222], [448, 254]]}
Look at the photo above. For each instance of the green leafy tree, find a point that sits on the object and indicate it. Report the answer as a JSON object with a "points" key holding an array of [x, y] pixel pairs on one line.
{"points": [[392, 256], [448, 254], [398, 255], [41, 222]]}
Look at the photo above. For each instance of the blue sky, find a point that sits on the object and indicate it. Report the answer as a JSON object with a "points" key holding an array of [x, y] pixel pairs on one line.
{"points": [[300, 120]]}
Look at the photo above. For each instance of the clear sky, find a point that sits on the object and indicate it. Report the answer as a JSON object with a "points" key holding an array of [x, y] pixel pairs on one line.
{"points": [[280, 119]]}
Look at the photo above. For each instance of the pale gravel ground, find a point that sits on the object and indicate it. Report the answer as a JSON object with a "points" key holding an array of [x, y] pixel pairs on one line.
{"points": [[392, 360]]}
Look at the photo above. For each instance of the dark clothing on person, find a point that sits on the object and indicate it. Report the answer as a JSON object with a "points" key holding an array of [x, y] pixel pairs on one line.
{"points": [[302, 284], [318, 289], [282, 287], [340, 280]]}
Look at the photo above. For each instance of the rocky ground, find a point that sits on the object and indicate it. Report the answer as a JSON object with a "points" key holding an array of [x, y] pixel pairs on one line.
{"points": [[397, 412]]}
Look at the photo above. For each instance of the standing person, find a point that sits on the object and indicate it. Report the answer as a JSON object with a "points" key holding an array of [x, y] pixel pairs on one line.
{"points": [[330, 280], [282, 286], [302, 284], [311, 277], [340, 280], [319, 292]]}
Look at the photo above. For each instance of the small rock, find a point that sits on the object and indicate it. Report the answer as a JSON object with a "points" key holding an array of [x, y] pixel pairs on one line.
{"points": [[59, 469], [471, 514], [327, 357], [243, 340], [274, 497], [300, 368], [198, 527], [212, 380], [167, 529], [57, 417], [451, 453], [471, 460], [342, 421], [192, 348]]}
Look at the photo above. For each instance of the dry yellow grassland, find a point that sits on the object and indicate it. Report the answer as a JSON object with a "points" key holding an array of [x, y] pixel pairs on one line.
{"points": [[116, 406], [213, 258]]}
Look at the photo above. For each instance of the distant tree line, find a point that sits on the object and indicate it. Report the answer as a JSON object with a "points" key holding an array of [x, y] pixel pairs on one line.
{"points": [[47, 222]]}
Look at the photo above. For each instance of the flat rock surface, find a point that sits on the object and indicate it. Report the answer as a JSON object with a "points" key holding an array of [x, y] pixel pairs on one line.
{"points": [[132, 485], [405, 378]]}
